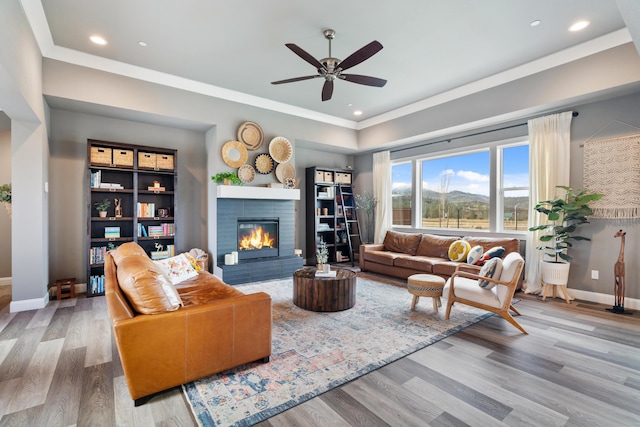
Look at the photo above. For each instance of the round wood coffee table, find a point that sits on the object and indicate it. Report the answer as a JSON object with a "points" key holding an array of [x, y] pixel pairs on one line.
{"points": [[317, 293]]}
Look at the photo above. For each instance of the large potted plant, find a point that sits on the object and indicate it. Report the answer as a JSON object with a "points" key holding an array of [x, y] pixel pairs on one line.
{"points": [[563, 217]]}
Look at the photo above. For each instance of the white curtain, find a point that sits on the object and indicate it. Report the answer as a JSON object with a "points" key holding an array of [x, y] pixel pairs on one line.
{"points": [[549, 147], [382, 193]]}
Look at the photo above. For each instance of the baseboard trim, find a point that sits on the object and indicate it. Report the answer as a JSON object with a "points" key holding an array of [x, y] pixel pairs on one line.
{"points": [[607, 299], [5, 280], [29, 304]]}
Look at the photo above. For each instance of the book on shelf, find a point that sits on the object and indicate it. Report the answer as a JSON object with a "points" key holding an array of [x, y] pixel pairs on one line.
{"points": [[145, 210], [111, 232], [97, 254], [142, 231], [111, 186], [95, 179], [152, 188], [96, 285]]}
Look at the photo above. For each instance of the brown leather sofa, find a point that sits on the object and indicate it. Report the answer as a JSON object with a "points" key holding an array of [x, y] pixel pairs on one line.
{"points": [[403, 254], [215, 326]]}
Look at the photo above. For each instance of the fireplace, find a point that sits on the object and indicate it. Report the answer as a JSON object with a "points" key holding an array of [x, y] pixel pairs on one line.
{"points": [[257, 238]]}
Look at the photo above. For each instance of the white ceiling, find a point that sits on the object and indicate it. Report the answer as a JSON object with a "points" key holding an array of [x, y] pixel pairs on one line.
{"points": [[236, 48]]}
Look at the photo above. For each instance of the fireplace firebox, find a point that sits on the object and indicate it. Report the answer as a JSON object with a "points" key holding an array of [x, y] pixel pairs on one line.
{"points": [[257, 238]]}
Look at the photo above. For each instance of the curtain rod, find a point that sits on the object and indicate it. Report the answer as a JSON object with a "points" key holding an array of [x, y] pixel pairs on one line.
{"points": [[574, 114]]}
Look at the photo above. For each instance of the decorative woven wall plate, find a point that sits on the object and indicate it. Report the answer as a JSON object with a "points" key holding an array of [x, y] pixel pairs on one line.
{"points": [[280, 149], [251, 134], [284, 171], [264, 163], [246, 173], [234, 153]]}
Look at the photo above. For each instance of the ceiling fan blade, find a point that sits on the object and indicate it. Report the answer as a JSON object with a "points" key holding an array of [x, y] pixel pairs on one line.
{"points": [[327, 90], [295, 79], [360, 55], [363, 80], [305, 55]]}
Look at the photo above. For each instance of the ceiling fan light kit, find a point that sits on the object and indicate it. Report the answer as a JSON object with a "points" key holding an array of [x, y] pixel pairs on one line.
{"points": [[331, 68]]}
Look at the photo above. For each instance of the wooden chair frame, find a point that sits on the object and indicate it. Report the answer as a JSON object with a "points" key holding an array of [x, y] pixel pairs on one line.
{"points": [[506, 304]]}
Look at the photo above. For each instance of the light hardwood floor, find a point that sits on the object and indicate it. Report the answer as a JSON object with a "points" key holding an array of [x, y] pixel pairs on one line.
{"points": [[579, 366]]}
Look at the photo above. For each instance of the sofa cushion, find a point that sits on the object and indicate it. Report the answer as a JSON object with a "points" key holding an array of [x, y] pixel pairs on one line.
{"points": [[491, 269], [418, 263], [406, 243], [435, 246], [381, 257], [475, 254], [205, 288], [509, 245], [178, 268], [143, 282], [459, 250]]}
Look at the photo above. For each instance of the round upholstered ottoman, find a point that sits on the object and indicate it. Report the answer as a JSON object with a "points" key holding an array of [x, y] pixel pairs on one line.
{"points": [[425, 285]]}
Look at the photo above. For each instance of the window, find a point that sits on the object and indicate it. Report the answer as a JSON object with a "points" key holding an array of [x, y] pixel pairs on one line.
{"points": [[482, 189], [513, 188], [402, 193], [455, 191]]}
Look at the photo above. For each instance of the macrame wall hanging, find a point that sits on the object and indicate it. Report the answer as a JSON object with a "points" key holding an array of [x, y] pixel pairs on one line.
{"points": [[612, 167]]}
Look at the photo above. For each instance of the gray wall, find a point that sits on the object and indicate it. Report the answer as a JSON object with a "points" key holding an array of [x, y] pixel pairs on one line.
{"points": [[68, 188], [5, 222], [598, 120]]}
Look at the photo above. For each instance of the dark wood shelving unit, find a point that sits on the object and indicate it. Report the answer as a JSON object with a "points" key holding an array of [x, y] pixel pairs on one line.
{"points": [[134, 168]]}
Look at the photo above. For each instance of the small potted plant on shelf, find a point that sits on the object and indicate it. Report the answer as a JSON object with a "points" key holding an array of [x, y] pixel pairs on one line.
{"points": [[102, 207], [322, 256], [343, 236], [564, 215], [226, 178]]}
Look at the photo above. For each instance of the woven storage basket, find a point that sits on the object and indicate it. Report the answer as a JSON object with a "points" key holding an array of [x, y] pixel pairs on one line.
{"points": [[123, 157], [101, 155], [164, 161], [147, 160]]}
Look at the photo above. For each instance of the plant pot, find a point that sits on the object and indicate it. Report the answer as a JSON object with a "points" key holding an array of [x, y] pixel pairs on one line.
{"points": [[555, 273], [103, 214]]}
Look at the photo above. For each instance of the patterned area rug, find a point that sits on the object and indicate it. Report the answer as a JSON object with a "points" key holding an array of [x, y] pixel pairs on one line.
{"points": [[315, 352]]}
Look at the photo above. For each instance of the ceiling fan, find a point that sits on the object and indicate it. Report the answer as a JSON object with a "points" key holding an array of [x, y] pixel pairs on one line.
{"points": [[332, 68]]}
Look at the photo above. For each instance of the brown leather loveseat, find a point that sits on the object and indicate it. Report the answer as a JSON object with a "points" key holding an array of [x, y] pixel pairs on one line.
{"points": [[404, 254], [165, 341]]}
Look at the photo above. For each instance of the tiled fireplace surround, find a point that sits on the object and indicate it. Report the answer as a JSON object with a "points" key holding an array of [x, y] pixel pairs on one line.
{"points": [[251, 270]]}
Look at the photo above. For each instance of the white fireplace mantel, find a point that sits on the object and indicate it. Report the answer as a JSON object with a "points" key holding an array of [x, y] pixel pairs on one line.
{"points": [[245, 192]]}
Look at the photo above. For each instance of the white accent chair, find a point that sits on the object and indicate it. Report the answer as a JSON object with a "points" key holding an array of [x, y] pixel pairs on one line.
{"points": [[463, 287]]}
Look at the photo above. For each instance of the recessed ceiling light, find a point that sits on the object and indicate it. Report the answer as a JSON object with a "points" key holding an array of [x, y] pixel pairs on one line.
{"points": [[143, 44], [357, 113], [580, 25], [98, 40], [535, 23]]}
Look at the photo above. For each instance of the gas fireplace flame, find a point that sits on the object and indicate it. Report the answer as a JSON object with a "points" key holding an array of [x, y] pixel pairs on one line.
{"points": [[257, 239]]}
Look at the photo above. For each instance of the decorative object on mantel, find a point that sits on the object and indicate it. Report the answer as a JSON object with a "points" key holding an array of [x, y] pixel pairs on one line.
{"points": [[280, 149], [251, 134], [246, 173], [5, 197], [234, 154], [611, 168], [264, 163], [226, 178], [284, 171], [619, 273]]}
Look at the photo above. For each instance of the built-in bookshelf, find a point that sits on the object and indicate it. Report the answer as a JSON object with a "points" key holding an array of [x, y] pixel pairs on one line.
{"points": [[331, 214], [140, 184]]}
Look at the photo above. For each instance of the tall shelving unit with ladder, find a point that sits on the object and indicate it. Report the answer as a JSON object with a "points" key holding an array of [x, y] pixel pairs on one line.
{"points": [[331, 214]]}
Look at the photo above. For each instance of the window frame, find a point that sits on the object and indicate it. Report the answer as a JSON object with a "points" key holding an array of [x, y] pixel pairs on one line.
{"points": [[496, 185]]}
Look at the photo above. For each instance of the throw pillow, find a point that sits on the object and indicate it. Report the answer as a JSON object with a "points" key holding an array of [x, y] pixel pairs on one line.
{"points": [[177, 268], [474, 254], [490, 269], [494, 252], [459, 250]]}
